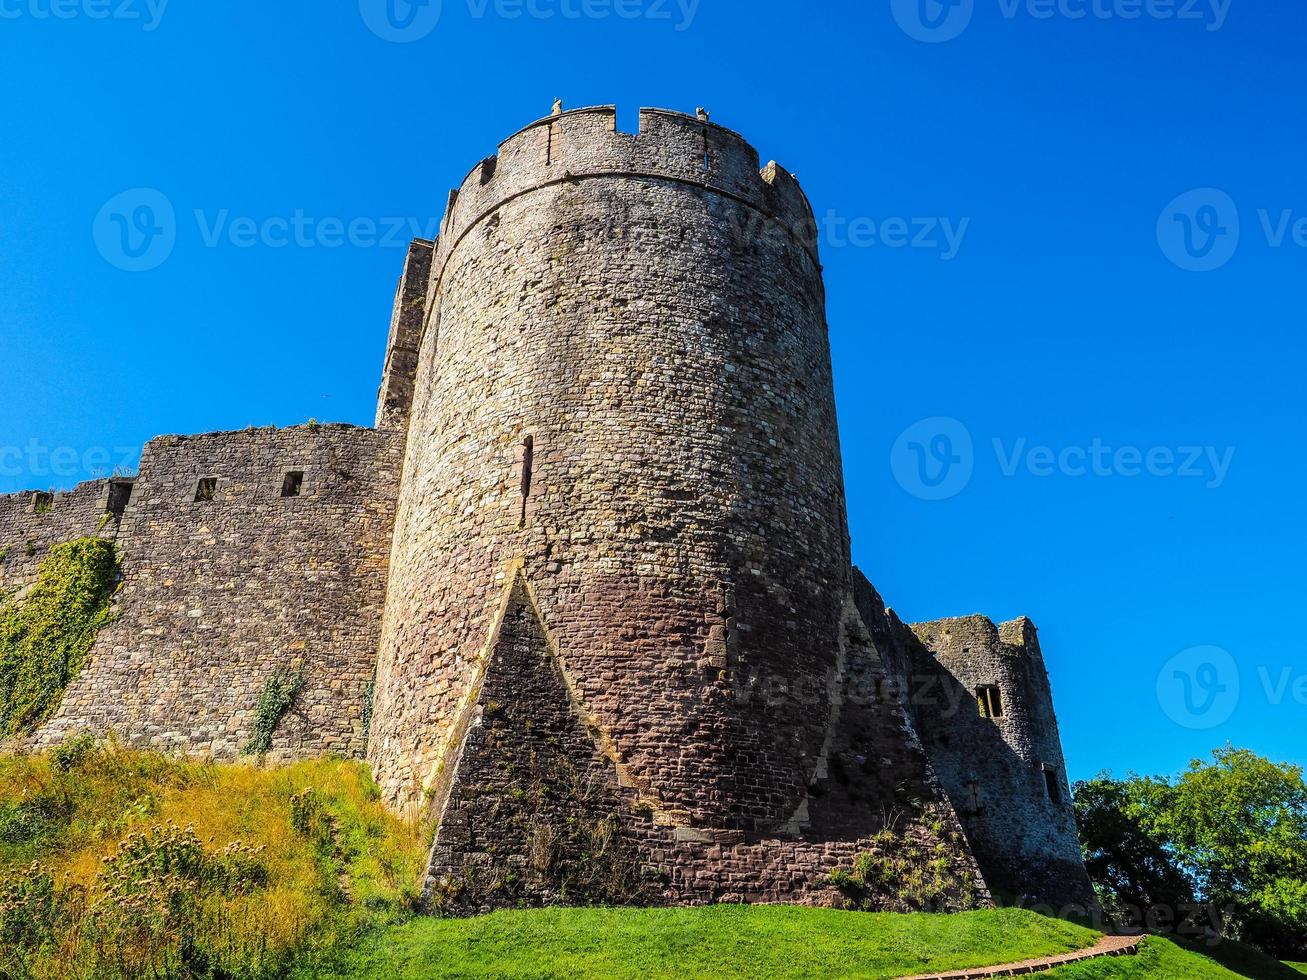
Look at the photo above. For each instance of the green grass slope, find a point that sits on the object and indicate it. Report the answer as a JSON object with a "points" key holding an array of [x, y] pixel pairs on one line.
{"points": [[1162, 959], [720, 943]]}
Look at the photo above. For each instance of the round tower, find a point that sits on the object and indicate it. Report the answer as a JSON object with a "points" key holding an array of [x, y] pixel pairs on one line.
{"points": [[623, 414]]}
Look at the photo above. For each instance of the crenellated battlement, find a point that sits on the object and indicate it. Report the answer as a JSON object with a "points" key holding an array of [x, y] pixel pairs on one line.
{"points": [[585, 143], [955, 636]]}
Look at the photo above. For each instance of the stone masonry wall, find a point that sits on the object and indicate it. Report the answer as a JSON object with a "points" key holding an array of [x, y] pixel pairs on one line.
{"points": [[624, 397], [31, 522], [219, 595], [395, 399], [1024, 836], [1006, 774], [536, 808]]}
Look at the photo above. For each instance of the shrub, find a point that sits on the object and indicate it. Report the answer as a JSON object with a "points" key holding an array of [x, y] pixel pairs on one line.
{"points": [[31, 914], [73, 752], [165, 868]]}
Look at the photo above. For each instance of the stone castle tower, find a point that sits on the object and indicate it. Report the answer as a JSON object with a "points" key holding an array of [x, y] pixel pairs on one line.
{"points": [[620, 651]]}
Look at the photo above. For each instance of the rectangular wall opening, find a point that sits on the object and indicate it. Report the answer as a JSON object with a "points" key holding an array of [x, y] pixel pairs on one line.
{"points": [[990, 699], [293, 484], [120, 495], [528, 465], [42, 503], [206, 491], [1053, 784]]}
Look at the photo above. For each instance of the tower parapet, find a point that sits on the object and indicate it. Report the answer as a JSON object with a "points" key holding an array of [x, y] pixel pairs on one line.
{"points": [[584, 144]]}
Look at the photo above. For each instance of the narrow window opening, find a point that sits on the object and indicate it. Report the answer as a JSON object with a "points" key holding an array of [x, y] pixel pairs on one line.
{"points": [[990, 699], [549, 145], [707, 156], [292, 485], [528, 464], [206, 490], [120, 495], [42, 503], [973, 806], [1053, 783]]}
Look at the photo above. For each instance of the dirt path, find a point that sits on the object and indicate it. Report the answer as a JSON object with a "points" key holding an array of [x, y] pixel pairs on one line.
{"points": [[1107, 946]]}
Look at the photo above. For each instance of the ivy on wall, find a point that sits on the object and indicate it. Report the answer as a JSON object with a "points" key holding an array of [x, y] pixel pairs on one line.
{"points": [[45, 638], [275, 700]]}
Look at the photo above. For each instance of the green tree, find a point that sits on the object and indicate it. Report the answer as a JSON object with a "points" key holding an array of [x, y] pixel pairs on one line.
{"points": [[1239, 827], [1232, 832], [1128, 860]]}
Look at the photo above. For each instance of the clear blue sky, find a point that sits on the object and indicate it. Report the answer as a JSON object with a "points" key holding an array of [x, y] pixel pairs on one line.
{"points": [[1058, 319]]}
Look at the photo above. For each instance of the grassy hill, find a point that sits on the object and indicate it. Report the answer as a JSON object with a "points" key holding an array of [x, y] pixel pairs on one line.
{"points": [[735, 943], [716, 942], [116, 863]]}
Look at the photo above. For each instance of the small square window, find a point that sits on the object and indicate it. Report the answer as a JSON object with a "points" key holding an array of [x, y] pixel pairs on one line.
{"points": [[206, 491], [42, 503], [292, 485], [990, 699]]}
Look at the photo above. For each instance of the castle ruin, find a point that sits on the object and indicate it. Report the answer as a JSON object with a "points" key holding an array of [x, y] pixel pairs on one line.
{"points": [[584, 594]]}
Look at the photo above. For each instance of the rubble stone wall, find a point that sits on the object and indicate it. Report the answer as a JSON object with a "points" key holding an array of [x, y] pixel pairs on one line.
{"points": [[32, 521], [220, 595]]}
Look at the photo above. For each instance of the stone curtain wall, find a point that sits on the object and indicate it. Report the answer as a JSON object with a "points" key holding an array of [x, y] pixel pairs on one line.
{"points": [[88, 510], [221, 595]]}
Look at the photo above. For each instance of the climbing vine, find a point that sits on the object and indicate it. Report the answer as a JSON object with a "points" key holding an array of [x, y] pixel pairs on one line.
{"points": [[45, 638], [276, 699]]}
